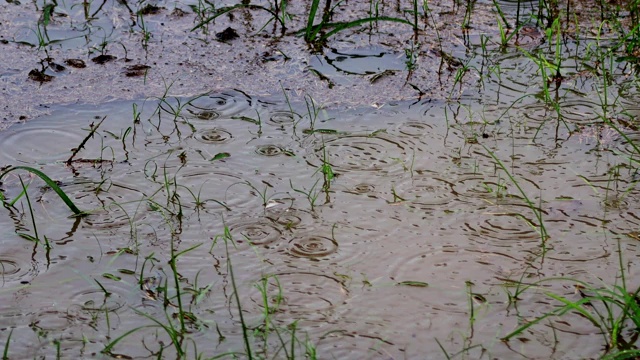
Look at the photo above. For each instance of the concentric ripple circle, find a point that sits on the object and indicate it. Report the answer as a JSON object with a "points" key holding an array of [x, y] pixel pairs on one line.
{"points": [[628, 147], [360, 153], [34, 145], [347, 345], [291, 218], [501, 228], [114, 218], [8, 267], [95, 300], [425, 189], [255, 233], [363, 188], [283, 117], [479, 186], [213, 106], [53, 320], [16, 269], [218, 189], [415, 129], [203, 114], [312, 246], [269, 150], [444, 270], [213, 136], [305, 293]]}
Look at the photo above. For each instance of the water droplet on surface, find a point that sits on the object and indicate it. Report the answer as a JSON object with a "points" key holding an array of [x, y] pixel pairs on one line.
{"points": [[213, 136], [269, 150], [312, 247]]}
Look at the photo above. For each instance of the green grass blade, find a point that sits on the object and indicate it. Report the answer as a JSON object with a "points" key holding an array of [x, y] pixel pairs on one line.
{"points": [[218, 13], [626, 138], [625, 354], [245, 329], [176, 338], [50, 183], [537, 212], [576, 306], [224, 10], [444, 351], [524, 327], [309, 36], [107, 349], [22, 193], [5, 354]]}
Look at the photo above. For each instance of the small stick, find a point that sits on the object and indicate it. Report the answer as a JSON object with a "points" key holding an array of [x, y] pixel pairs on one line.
{"points": [[81, 146]]}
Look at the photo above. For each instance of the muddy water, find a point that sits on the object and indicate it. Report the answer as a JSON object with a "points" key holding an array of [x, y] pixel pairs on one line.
{"points": [[419, 230], [379, 265]]}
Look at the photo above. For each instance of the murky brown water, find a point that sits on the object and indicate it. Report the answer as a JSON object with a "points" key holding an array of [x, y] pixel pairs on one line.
{"points": [[419, 231]]}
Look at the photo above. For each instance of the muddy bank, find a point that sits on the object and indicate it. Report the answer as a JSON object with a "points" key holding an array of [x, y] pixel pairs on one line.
{"points": [[131, 52]]}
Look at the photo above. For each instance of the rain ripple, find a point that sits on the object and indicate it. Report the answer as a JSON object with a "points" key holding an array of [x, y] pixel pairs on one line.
{"points": [[374, 153], [307, 295], [212, 106]]}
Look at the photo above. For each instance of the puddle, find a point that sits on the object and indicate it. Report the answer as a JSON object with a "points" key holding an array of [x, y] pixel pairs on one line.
{"points": [[385, 198], [404, 217], [373, 62]]}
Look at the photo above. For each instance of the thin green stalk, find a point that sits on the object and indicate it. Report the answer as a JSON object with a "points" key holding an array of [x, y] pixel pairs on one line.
{"points": [[501, 14], [221, 11], [33, 218], [50, 183], [107, 349], [245, 332], [5, 353], [310, 31], [337, 27], [93, 130], [537, 212]]}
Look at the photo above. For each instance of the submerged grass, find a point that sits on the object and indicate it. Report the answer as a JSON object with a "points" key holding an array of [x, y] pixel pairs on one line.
{"points": [[542, 230], [178, 322], [52, 184], [612, 309]]}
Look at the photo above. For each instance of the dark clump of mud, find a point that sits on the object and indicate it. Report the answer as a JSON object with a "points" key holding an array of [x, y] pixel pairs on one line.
{"points": [[76, 63], [103, 59], [149, 10], [39, 76], [227, 34], [136, 70]]}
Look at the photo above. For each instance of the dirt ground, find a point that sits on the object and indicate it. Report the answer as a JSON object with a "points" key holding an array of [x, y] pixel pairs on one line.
{"points": [[153, 50]]}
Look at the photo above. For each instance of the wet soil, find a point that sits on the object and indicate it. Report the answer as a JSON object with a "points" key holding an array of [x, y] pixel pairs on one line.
{"points": [[242, 49]]}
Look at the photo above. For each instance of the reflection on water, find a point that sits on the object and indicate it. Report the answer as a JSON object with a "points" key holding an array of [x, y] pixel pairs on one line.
{"points": [[412, 200], [402, 208], [378, 231]]}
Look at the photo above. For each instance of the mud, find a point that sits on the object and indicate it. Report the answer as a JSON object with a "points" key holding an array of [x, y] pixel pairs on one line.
{"points": [[241, 49]]}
